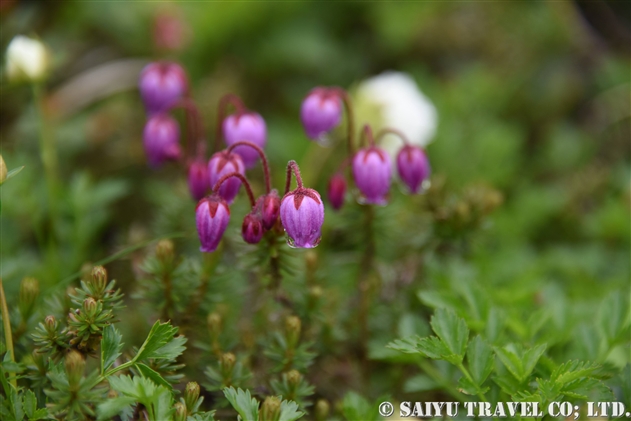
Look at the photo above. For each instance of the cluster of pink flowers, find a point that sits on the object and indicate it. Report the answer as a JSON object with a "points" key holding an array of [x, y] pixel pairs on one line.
{"points": [[321, 112], [215, 183]]}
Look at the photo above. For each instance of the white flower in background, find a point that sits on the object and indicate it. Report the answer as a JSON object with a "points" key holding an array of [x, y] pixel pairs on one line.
{"points": [[26, 58], [393, 99]]}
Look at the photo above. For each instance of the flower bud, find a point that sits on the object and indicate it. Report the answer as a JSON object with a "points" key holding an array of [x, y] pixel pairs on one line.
{"points": [[51, 324], [293, 378], [223, 163], [165, 251], [270, 209], [161, 85], [27, 58], [249, 127], [413, 167], [270, 410], [90, 306], [322, 409], [212, 216], [198, 181], [161, 138], [336, 191], [321, 112], [372, 172], [29, 291], [227, 362], [3, 170], [252, 228], [191, 394], [99, 279], [180, 412], [302, 216], [292, 330], [75, 366]]}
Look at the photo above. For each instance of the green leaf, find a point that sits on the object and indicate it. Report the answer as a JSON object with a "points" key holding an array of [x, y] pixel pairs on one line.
{"points": [[520, 364], [406, 345], [434, 348], [465, 386], [111, 347], [507, 383], [573, 370], [161, 343], [29, 403], [243, 403], [147, 371], [480, 359], [613, 316], [356, 407], [163, 405], [40, 414], [531, 357], [114, 406], [289, 411], [452, 331]]}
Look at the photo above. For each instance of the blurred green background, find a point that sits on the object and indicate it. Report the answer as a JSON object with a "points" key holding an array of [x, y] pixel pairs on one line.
{"points": [[533, 102]]}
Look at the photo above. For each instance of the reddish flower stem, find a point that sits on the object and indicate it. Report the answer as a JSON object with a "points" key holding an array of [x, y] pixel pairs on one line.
{"points": [[293, 166], [396, 132], [350, 118], [241, 177], [268, 182], [367, 136], [228, 99], [194, 125]]}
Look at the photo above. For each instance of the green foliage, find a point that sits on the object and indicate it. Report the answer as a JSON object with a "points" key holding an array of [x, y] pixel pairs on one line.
{"points": [[248, 407]]}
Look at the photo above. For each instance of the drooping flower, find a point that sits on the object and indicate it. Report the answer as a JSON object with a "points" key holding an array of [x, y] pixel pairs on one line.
{"points": [[161, 138], [198, 179], [212, 216], [372, 172], [270, 209], [220, 164], [336, 191], [302, 216], [245, 126], [413, 167], [321, 112], [27, 58], [393, 99], [161, 85], [252, 228]]}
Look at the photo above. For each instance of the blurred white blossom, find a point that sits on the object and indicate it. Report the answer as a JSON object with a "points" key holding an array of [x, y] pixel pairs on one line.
{"points": [[393, 99], [26, 58]]}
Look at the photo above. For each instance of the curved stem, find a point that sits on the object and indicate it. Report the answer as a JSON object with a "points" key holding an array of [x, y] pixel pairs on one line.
{"points": [[396, 132], [194, 123], [350, 118], [221, 115], [367, 136], [241, 177], [268, 182], [293, 166]]}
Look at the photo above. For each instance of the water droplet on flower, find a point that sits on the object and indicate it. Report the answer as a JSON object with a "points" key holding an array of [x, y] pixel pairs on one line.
{"points": [[290, 241]]}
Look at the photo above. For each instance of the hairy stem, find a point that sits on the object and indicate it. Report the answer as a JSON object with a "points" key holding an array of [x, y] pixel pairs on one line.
{"points": [[6, 325], [390, 130], [367, 138], [468, 376], [244, 180], [194, 125], [350, 118], [293, 166], [266, 173], [445, 384]]}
